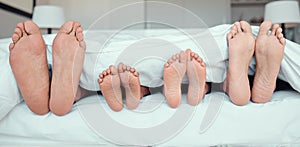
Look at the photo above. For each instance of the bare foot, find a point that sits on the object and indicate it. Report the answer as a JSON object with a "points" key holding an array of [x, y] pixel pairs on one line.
{"points": [[68, 52], [131, 83], [269, 53], [173, 73], [109, 83], [241, 49], [29, 65], [196, 73]]}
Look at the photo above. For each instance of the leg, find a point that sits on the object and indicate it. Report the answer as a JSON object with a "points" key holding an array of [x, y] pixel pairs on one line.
{"points": [[174, 71], [268, 54], [68, 54], [131, 83], [109, 83], [28, 61], [241, 49], [196, 73]]}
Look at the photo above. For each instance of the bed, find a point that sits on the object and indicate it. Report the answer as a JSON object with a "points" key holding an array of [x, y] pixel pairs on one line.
{"points": [[214, 122]]}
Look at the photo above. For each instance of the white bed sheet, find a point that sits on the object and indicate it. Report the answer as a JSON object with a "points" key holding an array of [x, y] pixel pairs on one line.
{"points": [[274, 123]]}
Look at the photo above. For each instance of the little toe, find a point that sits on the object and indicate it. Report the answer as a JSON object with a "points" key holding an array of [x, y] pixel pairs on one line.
{"points": [[11, 46]]}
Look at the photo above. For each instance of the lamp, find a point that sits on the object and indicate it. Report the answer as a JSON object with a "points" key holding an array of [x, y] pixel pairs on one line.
{"points": [[49, 17], [284, 12]]}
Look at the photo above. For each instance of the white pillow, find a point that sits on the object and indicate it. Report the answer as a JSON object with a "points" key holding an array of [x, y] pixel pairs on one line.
{"points": [[9, 93]]}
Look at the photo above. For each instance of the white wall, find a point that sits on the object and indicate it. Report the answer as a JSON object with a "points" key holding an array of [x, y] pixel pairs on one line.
{"points": [[88, 11], [8, 22], [213, 12]]}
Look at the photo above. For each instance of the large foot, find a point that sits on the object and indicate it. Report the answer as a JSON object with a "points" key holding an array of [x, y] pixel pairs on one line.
{"points": [[68, 52], [269, 53], [109, 82], [241, 49], [29, 65], [131, 83], [196, 73], [174, 71]]}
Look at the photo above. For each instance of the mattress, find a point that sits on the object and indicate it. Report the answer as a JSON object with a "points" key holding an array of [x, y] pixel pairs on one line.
{"points": [[216, 121]]}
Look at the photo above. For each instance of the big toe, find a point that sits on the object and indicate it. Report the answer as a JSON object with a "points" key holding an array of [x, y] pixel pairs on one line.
{"points": [[182, 57], [265, 27], [67, 27], [30, 27], [246, 27]]}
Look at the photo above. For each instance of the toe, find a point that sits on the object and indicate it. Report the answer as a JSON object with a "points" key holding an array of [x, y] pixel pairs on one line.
{"points": [[120, 68], [194, 55], [18, 31], [101, 76], [229, 36], [76, 25], [79, 34], [265, 27], [22, 28], [274, 28], [238, 26], [246, 27], [167, 65], [15, 38], [113, 70], [100, 80], [188, 54], [11, 46], [67, 27], [182, 57], [278, 31], [175, 57], [104, 73], [31, 27], [233, 30], [132, 70]]}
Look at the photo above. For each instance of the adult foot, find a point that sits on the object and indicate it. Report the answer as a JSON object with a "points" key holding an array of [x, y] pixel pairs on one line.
{"points": [[109, 83], [28, 61], [174, 71], [68, 52], [196, 73], [268, 53], [131, 83], [241, 48]]}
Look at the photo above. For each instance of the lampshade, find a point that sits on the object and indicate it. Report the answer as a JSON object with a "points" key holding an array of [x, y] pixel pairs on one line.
{"points": [[282, 12], [47, 16]]}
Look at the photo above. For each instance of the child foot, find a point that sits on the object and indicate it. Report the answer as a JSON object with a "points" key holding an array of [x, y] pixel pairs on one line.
{"points": [[68, 52], [269, 53], [28, 61], [131, 83], [109, 83], [196, 73], [174, 71], [241, 49]]}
